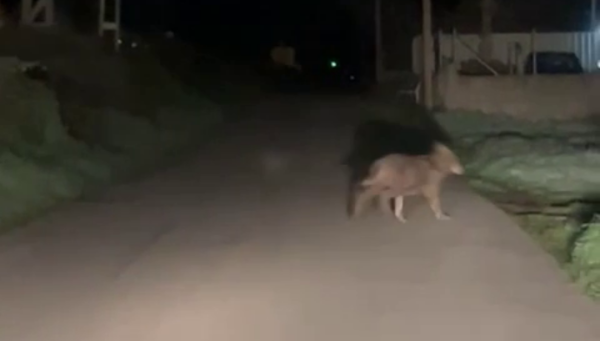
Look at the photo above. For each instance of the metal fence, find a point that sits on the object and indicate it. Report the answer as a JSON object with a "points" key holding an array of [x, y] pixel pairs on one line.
{"points": [[510, 48]]}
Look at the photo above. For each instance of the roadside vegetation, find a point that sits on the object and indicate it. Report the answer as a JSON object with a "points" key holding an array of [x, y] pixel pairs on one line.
{"points": [[76, 118], [545, 175]]}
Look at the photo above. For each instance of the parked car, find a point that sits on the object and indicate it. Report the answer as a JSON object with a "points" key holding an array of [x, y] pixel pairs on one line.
{"points": [[553, 62]]}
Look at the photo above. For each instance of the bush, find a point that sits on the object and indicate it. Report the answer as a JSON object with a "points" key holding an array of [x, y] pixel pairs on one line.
{"points": [[585, 264], [549, 163], [42, 163], [553, 162]]}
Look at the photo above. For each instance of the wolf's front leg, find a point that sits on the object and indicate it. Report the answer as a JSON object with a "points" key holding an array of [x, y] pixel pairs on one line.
{"points": [[385, 201], [433, 198]]}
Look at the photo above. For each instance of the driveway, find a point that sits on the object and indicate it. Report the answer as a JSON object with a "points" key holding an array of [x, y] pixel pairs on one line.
{"points": [[249, 241]]}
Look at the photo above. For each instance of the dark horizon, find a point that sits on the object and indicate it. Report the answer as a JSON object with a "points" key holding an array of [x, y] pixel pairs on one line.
{"points": [[318, 29], [251, 29], [334, 27]]}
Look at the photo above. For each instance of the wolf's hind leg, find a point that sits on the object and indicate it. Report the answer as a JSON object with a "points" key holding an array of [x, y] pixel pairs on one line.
{"points": [[399, 208]]}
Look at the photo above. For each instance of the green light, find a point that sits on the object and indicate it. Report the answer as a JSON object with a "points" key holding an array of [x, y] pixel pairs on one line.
{"points": [[333, 64]]}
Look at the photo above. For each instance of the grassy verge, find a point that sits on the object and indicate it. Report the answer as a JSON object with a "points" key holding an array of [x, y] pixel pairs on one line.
{"points": [[545, 174], [60, 140]]}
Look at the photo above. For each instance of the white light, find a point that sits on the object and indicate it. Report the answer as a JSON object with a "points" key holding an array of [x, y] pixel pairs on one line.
{"points": [[598, 64]]}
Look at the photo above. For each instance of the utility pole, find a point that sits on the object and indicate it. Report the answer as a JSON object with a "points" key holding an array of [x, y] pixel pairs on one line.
{"points": [[594, 30], [378, 43], [593, 16], [427, 55]]}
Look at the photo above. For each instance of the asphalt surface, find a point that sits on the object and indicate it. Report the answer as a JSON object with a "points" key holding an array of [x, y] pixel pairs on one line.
{"points": [[249, 240]]}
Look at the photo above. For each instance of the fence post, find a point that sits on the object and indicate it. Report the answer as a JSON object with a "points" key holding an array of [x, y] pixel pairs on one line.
{"points": [[518, 48], [110, 25], [454, 34], [427, 34], [439, 54], [533, 54], [509, 61]]}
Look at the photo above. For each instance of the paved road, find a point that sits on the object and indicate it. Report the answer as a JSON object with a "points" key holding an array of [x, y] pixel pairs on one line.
{"points": [[220, 249]]}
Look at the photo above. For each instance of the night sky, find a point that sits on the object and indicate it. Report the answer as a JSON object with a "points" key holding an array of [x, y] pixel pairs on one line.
{"points": [[332, 27], [250, 26], [318, 24]]}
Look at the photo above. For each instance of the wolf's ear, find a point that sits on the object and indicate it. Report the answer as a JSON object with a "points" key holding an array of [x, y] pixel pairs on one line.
{"points": [[444, 159], [441, 149], [374, 174]]}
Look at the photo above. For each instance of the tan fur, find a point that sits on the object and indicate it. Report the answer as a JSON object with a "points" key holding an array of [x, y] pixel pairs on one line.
{"points": [[396, 176]]}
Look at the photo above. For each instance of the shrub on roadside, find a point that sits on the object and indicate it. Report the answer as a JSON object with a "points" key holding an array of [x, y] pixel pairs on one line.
{"points": [[585, 263], [549, 162], [42, 164], [556, 162]]}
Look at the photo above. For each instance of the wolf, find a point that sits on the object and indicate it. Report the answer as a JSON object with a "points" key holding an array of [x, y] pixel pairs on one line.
{"points": [[396, 176], [376, 138]]}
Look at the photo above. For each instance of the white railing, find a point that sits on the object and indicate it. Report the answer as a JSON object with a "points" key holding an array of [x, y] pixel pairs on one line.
{"points": [[511, 48]]}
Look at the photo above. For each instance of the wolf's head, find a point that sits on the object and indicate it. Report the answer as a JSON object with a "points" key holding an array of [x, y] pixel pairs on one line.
{"points": [[444, 160]]}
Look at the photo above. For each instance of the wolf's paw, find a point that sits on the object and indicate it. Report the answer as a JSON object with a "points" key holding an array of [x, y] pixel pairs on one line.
{"points": [[401, 218], [443, 216]]}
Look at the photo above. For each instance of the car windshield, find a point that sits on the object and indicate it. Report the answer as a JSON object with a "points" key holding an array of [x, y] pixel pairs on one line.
{"points": [[557, 62]]}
